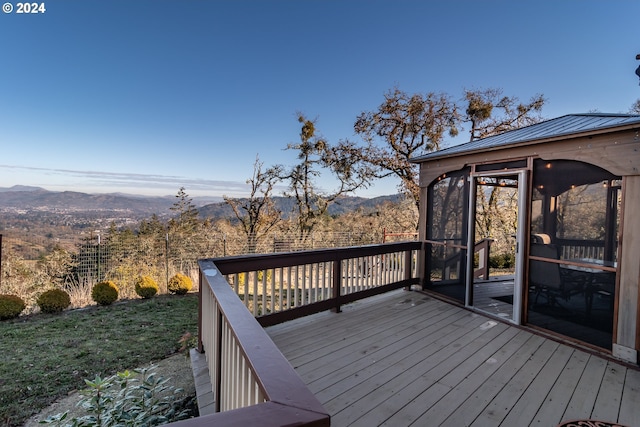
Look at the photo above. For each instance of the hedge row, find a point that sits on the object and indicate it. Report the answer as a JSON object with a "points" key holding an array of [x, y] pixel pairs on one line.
{"points": [[103, 293]]}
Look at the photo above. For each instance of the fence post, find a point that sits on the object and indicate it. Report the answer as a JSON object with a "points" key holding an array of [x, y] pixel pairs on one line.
{"points": [[99, 256], [166, 261], [224, 244]]}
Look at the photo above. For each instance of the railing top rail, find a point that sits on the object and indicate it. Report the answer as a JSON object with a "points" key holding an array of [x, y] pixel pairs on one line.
{"points": [[268, 414], [580, 242], [276, 378], [587, 265], [237, 264]]}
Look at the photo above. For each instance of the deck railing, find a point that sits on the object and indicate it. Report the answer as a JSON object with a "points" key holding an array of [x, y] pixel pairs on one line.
{"points": [[451, 265], [252, 382], [280, 287], [574, 248]]}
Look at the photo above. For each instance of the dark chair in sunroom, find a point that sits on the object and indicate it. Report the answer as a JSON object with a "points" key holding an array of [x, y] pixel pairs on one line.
{"points": [[549, 279]]}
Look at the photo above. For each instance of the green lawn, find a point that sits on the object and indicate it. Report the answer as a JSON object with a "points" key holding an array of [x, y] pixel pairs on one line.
{"points": [[43, 357]]}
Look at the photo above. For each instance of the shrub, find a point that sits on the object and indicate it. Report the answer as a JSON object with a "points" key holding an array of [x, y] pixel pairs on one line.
{"points": [[180, 284], [128, 399], [261, 275], [105, 293], [146, 287], [53, 301], [187, 341], [11, 306], [241, 278], [505, 260], [509, 260]]}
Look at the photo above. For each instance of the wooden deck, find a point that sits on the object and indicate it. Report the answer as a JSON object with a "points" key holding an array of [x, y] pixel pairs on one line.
{"points": [[405, 358]]}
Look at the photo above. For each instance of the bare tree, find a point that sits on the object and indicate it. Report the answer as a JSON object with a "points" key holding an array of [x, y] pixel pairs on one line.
{"points": [[512, 114], [491, 113], [314, 155], [496, 214], [258, 213], [635, 108], [408, 125]]}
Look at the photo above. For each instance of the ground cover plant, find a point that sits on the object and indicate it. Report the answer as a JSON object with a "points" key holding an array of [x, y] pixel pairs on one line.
{"points": [[130, 398], [43, 357]]}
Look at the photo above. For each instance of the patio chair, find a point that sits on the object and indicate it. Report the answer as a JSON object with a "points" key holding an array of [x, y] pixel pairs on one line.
{"points": [[550, 280], [541, 238]]}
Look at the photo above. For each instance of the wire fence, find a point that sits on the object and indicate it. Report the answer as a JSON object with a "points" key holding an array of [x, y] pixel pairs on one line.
{"points": [[32, 263]]}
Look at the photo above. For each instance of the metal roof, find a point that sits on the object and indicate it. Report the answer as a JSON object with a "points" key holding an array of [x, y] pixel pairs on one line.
{"points": [[563, 126]]}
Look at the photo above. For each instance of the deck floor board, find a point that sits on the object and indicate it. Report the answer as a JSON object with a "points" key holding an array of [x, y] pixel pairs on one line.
{"points": [[437, 334], [354, 340], [383, 351], [558, 397], [586, 390], [396, 377], [629, 410], [405, 358], [486, 381], [607, 403], [536, 392]]}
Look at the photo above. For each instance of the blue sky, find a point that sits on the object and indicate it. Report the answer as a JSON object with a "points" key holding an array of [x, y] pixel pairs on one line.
{"points": [[146, 96]]}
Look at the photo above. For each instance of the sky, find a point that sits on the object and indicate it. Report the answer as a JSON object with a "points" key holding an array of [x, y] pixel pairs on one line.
{"points": [[147, 96]]}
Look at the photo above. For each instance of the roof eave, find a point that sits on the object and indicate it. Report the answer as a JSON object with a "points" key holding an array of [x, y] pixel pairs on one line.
{"points": [[618, 128]]}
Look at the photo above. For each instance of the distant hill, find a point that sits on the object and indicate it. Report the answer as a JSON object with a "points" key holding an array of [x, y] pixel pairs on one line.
{"points": [[286, 206], [24, 198], [21, 188], [35, 198]]}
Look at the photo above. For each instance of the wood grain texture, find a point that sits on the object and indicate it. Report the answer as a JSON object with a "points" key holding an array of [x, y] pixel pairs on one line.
{"points": [[405, 358]]}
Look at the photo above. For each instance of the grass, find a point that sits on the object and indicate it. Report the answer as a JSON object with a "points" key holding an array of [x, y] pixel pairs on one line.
{"points": [[43, 357]]}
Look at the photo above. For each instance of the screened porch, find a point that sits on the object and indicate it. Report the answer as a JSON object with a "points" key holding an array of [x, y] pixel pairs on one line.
{"points": [[551, 197]]}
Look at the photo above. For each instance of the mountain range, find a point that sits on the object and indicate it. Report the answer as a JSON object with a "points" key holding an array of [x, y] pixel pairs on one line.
{"points": [[18, 198], [36, 198], [286, 205]]}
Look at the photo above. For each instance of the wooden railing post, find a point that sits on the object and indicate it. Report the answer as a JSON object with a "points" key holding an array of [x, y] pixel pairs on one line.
{"points": [[482, 248], [408, 262], [200, 287], [337, 284], [217, 387]]}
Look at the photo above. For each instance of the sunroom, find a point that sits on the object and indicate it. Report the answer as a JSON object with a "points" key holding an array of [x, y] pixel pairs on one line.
{"points": [[556, 201]]}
